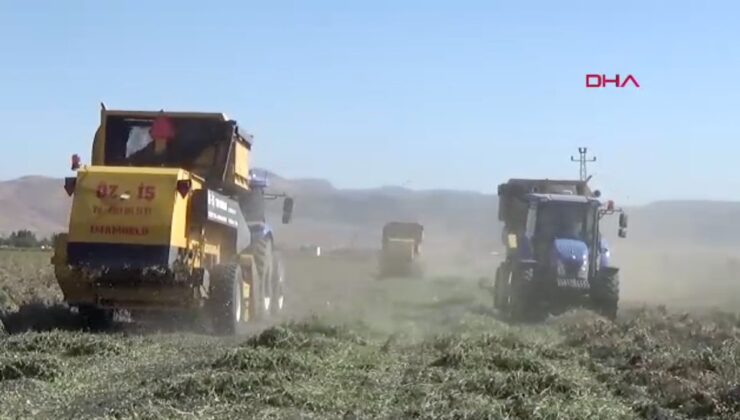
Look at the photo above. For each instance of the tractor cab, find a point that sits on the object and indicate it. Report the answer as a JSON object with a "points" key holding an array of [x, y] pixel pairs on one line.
{"points": [[563, 230], [253, 203]]}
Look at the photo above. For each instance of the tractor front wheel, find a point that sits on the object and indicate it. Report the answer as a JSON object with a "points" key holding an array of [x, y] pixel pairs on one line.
{"points": [[605, 293], [263, 288], [500, 287], [277, 304], [520, 305]]}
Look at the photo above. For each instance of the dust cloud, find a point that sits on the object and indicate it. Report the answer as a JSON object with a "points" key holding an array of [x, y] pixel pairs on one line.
{"points": [[680, 276]]}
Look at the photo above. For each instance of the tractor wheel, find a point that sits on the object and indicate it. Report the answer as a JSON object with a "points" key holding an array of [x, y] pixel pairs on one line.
{"points": [[520, 304], [226, 300], [500, 287], [605, 293], [95, 319], [263, 259], [278, 287]]}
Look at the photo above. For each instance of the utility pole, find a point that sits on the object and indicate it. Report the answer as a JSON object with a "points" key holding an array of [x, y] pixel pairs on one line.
{"points": [[583, 161]]}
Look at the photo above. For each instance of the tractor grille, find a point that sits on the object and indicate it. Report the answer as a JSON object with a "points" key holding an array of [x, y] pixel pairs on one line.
{"points": [[572, 277], [572, 269]]}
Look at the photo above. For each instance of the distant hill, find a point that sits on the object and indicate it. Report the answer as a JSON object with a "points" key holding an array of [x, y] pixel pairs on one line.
{"points": [[33, 202], [342, 217]]}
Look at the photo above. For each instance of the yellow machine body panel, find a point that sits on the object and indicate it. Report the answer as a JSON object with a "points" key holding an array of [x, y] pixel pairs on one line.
{"points": [[129, 205]]}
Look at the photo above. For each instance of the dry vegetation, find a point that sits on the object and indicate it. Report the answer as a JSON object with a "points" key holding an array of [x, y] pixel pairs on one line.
{"points": [[361, 348], [26, 276]]}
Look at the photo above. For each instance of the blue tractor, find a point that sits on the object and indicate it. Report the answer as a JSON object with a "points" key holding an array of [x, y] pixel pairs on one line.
{"points": [[556, 256], [269, 264]]}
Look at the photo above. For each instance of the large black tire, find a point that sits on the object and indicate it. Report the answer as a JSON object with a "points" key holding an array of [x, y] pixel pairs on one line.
{"points": [[500, 287], [226, 303], [605, 293], [262, 290], [521, 305], [95, 319]]}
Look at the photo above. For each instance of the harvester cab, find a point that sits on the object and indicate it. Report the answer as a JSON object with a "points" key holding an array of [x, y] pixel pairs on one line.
{"points": [[556, 255], [401, 248], [169, 217]]}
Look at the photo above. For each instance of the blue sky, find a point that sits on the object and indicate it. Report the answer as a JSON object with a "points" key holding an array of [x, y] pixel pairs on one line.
{"points": [[454, 94]]}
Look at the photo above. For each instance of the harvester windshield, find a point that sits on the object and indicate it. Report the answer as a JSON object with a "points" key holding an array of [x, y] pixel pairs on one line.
{"points": [[571, 220], [161, 141]]}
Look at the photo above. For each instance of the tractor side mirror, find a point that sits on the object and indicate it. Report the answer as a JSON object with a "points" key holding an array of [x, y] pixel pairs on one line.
{"points": [[623, 220], [287, 210], [622, 232]]}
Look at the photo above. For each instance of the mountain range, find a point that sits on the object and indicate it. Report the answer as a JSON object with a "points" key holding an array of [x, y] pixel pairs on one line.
{"points": [[353, 217]]}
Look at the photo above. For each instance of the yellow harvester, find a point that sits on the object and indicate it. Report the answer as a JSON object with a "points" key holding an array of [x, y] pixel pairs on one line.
{"points": [[169, 217], [401, 249]]}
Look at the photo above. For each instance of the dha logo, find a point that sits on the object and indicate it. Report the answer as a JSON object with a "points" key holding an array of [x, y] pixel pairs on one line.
{"points": [[601, 81]]}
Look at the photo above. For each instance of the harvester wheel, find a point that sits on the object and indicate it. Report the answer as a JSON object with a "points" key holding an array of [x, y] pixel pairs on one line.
{"points": [[605, 293], [226, 301], [263, 259]]}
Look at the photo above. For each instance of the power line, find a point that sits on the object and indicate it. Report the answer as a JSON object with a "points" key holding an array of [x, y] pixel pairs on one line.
{"points": [[582, 160]]}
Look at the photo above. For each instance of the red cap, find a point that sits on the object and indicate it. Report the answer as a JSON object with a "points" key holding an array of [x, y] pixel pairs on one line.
{"points": [[162, 128]]}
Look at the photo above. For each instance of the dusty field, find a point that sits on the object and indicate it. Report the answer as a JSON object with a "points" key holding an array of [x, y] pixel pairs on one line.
{"points": [[357, 347], [696, 277]]}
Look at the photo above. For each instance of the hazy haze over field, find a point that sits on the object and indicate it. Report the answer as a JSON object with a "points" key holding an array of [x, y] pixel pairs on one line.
{"points": [[685, 252]]}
